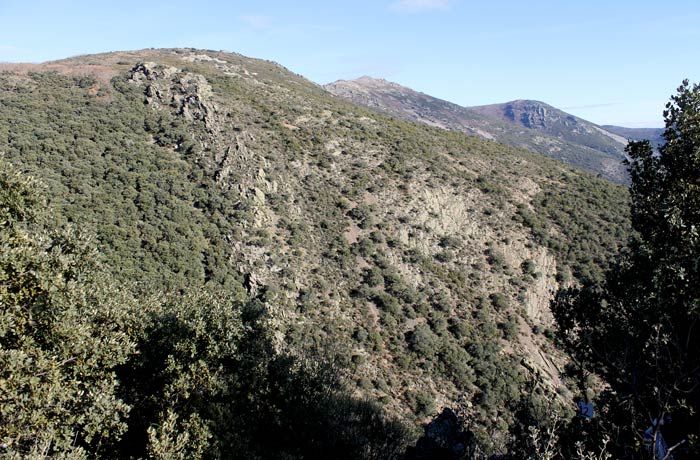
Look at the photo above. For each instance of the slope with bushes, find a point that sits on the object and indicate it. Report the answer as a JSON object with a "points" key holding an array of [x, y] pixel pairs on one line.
{"points": [[418, 262]]}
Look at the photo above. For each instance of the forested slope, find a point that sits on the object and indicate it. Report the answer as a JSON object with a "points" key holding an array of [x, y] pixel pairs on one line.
{"points": [[416, 262]]}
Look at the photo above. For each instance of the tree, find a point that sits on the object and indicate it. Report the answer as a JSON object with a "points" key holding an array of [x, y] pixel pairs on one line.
{"points": [[639, 330], [61, 334], [89, 371]]}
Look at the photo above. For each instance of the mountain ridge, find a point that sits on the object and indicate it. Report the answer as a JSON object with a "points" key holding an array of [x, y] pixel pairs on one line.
{"points": [[548, 130], [654, 135]]}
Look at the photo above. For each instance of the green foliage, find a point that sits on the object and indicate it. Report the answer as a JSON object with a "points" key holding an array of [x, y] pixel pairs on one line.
{"points": [[496, 259], [423, 403], [373, 277], [510, 328], [363, 215], [499, 301], [589, 226], [266, 204], [62, 333], [638, 329], [450, 242], [118, 167], [529, 267], [89, 372], [208, 382], [422, 340]]}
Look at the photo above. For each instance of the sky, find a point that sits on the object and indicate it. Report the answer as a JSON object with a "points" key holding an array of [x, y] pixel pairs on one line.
{"points": [[610, 62]]}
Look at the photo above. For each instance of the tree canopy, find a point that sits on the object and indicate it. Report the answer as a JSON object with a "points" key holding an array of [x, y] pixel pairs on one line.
{"points": [[90, 370], [639, 330]]}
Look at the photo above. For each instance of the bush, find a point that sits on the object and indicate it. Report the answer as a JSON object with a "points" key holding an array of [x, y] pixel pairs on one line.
{"points": [[362, 214], [373, 277], [450, 242], [510, 328], [422, 403], [423, 341], [496, 259], [62, 333], [500, 301], [445, 256], [529, 267]]}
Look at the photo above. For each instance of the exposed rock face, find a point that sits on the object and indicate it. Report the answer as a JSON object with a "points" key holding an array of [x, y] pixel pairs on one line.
{"points": [[533, 117], [185, 93]]}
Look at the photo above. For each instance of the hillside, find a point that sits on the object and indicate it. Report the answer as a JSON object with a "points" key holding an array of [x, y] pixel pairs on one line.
{"points": [[420, 262], [530, 125]]}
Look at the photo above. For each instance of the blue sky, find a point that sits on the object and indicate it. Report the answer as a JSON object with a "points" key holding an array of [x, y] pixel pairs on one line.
{"points": [[606, 61]]}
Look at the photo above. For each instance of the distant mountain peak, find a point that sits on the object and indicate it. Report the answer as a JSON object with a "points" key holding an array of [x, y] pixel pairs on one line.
{"points": [[524, 123], [532, 114], [532, 102], [368, 79], [365, 83]]}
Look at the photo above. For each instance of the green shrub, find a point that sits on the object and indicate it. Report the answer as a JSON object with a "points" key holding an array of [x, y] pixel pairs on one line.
{"points": [[422, 403], [496, 259], [423, 341], [500, 301]]}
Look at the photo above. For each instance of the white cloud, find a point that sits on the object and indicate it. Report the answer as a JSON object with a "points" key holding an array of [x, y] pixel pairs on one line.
{"points": [[418, 6], [8, 48], [257, 21]]}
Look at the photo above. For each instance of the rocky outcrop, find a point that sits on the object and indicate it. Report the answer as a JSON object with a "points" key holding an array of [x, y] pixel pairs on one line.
{"points": [[185, 94]]}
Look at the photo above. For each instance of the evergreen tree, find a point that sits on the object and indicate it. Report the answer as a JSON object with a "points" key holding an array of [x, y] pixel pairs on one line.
{"points": [[89, 371], [61, 334], [639, 330]]}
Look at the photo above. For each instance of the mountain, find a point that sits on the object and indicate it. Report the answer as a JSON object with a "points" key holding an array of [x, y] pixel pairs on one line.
{"points": [[531, 125], [402, 102], [653, 135], [418, 262]]}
